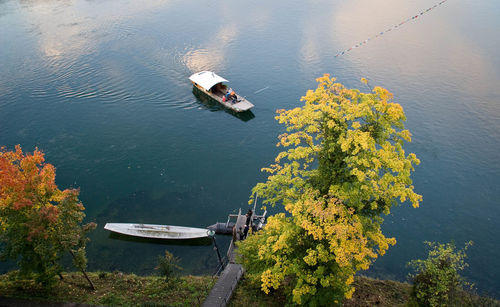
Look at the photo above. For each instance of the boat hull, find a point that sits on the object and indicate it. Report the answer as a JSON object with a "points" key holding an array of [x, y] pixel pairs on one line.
{"points": [[158, 231], [241, 105]]}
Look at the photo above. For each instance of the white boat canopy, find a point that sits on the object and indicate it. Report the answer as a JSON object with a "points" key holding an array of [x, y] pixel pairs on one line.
{"points": [[206, 79]]}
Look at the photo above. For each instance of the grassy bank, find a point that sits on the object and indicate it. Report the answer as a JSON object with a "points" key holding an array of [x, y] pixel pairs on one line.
{"points": [[115, 289], [369, 292]]}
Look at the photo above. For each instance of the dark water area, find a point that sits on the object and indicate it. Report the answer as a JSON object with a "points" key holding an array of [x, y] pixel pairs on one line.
{"points": [[102, 88]]}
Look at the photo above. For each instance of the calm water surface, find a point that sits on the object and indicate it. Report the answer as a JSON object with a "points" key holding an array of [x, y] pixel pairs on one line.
{"points": [[101, 87]]}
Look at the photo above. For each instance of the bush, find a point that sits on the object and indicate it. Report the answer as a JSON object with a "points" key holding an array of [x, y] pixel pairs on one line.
{"points": [[437, 281], [167, 266]]}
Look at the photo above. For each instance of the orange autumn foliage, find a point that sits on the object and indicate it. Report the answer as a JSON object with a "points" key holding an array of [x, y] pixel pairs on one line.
{"points": [[26, 182], [38, 222]]}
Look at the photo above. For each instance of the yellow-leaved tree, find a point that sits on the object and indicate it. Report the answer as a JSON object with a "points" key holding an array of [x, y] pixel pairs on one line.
{"points": [[343, 168]]}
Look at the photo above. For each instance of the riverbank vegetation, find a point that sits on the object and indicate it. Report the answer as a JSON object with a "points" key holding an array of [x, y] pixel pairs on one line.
{"points": [[118, 289], [369, 292], [437, 280]]}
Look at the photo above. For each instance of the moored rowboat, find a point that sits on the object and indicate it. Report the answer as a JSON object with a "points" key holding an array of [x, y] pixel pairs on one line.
{"points": [[211, 84], [158, 231]]}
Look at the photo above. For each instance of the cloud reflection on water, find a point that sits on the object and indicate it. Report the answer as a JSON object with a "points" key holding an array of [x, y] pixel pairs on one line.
{"points": [[211, 57], [74, 28]]}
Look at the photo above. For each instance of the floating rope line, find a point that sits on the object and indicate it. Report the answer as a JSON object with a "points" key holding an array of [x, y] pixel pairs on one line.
{"points": [[390, 29]]}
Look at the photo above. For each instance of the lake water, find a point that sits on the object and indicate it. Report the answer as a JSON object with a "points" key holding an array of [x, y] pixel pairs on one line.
{"points": [[102, 88]]}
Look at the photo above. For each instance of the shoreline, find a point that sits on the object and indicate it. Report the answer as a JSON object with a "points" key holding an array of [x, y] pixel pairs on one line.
{"points": [[118, 289]]}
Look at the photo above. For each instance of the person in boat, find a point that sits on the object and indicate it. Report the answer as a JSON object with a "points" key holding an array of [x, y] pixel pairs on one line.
{"points": [[247, 223], [230, 95]]}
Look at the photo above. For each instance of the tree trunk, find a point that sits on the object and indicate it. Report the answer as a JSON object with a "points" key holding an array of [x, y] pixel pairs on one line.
{"points": [[84, 273]]}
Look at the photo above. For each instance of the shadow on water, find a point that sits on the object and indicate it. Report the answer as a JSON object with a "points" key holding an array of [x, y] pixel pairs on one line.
{"points": [[214, 106], [192, 242]]}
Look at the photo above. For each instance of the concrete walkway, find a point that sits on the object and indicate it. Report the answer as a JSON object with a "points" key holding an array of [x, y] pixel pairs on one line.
{"points": [[223, 289]]}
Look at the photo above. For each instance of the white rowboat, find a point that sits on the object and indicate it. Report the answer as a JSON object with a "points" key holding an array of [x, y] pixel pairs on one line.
{"points": [[158, 231]]}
